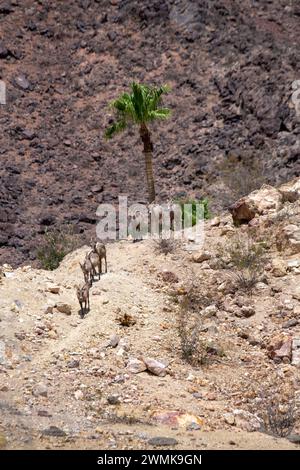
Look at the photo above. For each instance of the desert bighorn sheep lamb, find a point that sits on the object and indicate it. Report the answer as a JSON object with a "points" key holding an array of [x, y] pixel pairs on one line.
{"points": [[87, 269], [83, 295]]}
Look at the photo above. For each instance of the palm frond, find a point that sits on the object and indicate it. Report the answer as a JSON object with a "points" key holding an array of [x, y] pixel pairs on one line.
{"points": [[115, 128], [160, 113], [140, 106]]}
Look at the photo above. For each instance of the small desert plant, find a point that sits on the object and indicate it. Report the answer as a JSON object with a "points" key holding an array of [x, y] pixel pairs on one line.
{"points": [[194, 299], [190, 210], [193, 348], [192, 306], [55, 246], [245, 258], [280, 421], [125, 319], [165, 245], [278, 411]]}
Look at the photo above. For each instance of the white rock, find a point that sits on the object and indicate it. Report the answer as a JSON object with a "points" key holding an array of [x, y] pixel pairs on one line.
{"points": [[211, 310], [78, 394], [215, 221], [155, 367], [135, 366], [120, 352], [229, 418], [40, 389]]}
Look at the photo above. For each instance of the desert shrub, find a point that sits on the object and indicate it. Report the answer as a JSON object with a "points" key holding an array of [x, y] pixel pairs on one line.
{"points": [[165, 245], [125, 319], [245, 258], [56, 244], [194, 349], [189, 209], [278, 411], [280, 421]]}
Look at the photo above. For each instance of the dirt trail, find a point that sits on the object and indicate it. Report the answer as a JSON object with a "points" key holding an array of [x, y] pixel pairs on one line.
{"points": [[39, 388]]}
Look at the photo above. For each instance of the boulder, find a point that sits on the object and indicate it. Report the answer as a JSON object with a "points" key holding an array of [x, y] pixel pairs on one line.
{"points": [[260, 202]]}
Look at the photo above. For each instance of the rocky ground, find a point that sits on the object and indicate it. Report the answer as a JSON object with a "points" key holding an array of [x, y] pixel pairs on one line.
{"points": [[231, 65], [91, 383]]}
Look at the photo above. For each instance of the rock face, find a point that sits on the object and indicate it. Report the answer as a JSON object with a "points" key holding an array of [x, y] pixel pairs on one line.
{"points": [[245, 113]]}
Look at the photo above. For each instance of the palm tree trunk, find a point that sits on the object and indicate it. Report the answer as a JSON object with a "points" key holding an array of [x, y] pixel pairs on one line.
{"points": [[148, 151]]}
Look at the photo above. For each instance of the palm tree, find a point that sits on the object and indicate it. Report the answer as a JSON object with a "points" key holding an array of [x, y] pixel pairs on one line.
{"points": [[140, 107]]}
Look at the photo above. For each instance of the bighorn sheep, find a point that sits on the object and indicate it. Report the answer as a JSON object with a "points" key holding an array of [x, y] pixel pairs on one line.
{"points": [[100, 249], [87, 269], [95, 260], [83, 295]]}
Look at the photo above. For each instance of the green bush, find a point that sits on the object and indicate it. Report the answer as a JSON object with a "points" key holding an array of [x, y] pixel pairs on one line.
{"points": [[185, 211], [55, 246]]}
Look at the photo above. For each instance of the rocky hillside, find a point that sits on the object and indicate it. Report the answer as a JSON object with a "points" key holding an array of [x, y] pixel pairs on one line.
{"points": [[231, 65], [181, 350]]}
